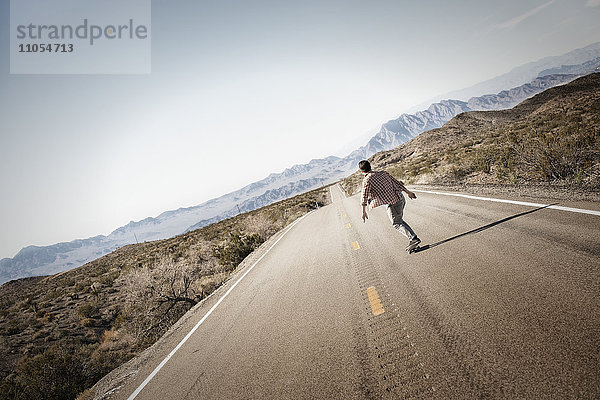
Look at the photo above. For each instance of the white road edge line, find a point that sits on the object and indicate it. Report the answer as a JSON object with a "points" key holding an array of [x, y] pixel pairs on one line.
{"points": [[163, 362], [341, 190], [521, 203]]}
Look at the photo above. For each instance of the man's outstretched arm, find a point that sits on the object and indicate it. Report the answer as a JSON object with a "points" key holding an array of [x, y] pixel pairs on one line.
{"points": [[408, 192], [400, 185]]}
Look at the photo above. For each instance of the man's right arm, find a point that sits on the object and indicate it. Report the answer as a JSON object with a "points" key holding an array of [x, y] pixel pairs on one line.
{"points": [[364, 198], [364, 194]]}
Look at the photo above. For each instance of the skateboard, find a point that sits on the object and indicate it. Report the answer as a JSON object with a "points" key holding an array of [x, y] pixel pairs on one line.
{"points": [[414, 249]]}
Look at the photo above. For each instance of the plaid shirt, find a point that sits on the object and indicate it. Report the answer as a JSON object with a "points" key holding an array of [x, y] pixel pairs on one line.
{"points": [[379, 187]]}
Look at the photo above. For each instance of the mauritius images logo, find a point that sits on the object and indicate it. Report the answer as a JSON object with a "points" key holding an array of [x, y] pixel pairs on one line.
{"points": [[80, 37]]}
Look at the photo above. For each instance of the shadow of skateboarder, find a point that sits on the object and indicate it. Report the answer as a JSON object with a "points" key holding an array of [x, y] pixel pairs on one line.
{"points": [[476, 230]]}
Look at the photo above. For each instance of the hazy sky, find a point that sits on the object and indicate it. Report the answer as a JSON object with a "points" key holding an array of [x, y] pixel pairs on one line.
{"points": [[242, 89]]}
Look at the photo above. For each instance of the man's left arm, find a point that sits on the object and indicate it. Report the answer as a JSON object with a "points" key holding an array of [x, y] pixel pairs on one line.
{"points": [[400, 185]]}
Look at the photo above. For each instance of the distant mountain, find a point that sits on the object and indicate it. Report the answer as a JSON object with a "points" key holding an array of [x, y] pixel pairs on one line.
{"points": [[524, 73], [269, 197], [398, 131], [395, 132], [44, 260], [583, 68]]}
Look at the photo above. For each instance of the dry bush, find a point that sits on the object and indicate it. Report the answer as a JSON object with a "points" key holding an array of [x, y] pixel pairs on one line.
{"points": [[200, 253], [157, 296], [58, 373], [261, 225], [237, 247]]}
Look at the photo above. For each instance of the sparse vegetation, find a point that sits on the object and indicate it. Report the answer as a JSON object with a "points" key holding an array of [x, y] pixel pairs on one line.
{"points": [[61, 334]]}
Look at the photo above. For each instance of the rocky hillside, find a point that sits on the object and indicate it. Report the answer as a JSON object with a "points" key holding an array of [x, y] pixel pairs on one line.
{"points": [[60, 334], [552, 137]]}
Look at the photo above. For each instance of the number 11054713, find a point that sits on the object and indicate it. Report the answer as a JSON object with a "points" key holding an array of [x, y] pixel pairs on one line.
{"points": [[46, 48]]}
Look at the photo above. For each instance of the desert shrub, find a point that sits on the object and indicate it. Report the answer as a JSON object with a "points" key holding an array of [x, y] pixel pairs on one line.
{"points": [[14, 327], [41, 333], [200, 253], [35, 323], [109, 278], [87, 322], [81, 286], [237, 247], [560, 156], [108, 338], [61, 372], [483, 160], [506, 163], [157, 296], [261, 225], [49, 317], [54, 294], [26, 304], [450, 156], [101, 362], [457, 173], [58, 373], [88, 310]]}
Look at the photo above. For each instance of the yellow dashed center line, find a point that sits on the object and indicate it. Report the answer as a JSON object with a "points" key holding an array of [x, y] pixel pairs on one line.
{"points": [[355, 245], [376, 306]]}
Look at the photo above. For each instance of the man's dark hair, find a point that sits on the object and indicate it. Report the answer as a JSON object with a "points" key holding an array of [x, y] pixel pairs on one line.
{"points": [[364, 166]]}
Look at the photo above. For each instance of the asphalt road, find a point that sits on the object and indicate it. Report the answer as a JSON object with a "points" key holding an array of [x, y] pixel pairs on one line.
{"points": [[503, 303]]}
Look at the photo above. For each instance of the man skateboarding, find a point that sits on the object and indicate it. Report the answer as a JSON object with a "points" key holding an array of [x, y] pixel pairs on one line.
{"points": [[378, 188]]}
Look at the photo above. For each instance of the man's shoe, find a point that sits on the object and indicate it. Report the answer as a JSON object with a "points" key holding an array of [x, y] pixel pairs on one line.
{"points": [[413, 244]]}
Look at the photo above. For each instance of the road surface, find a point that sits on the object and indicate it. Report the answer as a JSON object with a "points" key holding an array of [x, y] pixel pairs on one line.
{"points": [[503, 303]]}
